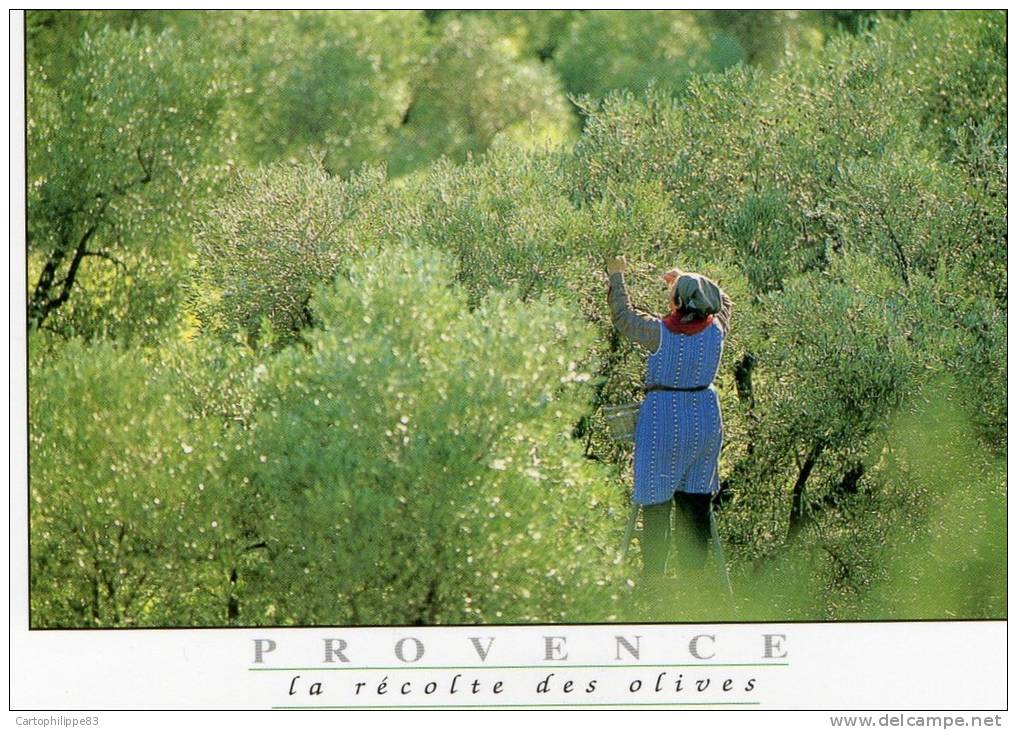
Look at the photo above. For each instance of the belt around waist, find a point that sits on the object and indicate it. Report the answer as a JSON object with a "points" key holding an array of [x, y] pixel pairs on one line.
{"points": [[652, 388]]}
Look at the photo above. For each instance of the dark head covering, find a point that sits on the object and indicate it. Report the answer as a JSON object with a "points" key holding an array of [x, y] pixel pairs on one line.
{"points": [[696, 295]]}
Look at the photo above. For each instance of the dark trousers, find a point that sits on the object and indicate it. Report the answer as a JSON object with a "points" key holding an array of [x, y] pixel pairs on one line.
{"points": [[692, 531]]}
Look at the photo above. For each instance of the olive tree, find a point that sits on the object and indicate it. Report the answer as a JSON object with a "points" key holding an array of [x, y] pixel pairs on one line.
{"points": [[473, 87], [126, 515], [114, 153], [275, 233], [607, 50], [333, 83], [415, 460]]}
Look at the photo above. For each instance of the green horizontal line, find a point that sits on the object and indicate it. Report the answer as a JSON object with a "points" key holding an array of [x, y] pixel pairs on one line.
{"points": [[575, 704], [517, 666]]}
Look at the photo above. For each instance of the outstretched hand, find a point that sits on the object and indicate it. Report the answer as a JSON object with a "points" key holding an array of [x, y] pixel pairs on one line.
{"points": [[616, 265], [670, 276]]}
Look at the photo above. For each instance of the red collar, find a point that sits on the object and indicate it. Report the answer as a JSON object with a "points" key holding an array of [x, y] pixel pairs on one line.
{"points": [[674, 324]]}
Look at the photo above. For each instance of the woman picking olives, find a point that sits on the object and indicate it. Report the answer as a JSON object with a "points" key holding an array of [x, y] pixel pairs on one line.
{"points": [[679, 428]]}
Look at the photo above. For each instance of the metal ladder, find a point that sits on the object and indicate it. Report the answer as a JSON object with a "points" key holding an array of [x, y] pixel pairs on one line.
{"points": [[716, 548]]}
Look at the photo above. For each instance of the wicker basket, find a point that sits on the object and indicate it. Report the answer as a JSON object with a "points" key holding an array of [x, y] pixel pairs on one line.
{"points": [[621, 421]]}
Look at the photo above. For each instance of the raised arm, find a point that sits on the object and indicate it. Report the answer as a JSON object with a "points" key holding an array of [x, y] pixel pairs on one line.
{"points": [[640, 327]]}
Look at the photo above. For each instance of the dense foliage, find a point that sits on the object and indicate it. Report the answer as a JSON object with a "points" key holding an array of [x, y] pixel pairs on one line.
{"points": [[116, 153], [319, 330]]}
